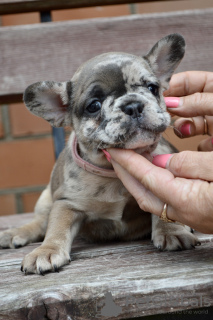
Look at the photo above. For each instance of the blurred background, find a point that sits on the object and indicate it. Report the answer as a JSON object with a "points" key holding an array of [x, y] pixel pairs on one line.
{"points": [[24, 138]]}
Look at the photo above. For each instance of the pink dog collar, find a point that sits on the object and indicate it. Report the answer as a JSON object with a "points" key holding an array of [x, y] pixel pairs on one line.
{"points": [[88, 166]]}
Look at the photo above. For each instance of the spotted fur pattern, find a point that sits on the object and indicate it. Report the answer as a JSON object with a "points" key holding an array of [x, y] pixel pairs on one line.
{"points": [[113, 100]]}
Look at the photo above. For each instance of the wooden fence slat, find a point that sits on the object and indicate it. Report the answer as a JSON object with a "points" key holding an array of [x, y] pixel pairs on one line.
{"points": [[19, 6], [54, 51]]}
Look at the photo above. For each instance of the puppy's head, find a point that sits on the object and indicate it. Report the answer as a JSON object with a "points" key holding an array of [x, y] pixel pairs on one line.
{"points": [[113, 100]]}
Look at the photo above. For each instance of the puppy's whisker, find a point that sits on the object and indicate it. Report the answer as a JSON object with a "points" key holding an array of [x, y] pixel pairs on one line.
{"points": [[99, 145], [177, 131], [166, 134], [122, 141]]}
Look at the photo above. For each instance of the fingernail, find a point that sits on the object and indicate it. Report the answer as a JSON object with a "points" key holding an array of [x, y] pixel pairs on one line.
{"points": [[161, 160], [172, 102], [185, 129], [107, 155]]}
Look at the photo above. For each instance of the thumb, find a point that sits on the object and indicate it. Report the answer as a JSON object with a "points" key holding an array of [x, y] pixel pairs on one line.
{"points": [[187, 164]]}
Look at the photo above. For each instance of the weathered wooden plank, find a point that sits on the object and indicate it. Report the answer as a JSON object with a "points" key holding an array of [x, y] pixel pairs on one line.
{"points": [[14, 221], [19, 6], [54, 51], [140, 280], [166, 280]]}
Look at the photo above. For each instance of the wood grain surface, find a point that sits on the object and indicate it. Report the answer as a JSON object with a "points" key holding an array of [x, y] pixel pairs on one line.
{"points": [[18, 6], [141, 280], [53, 51]]}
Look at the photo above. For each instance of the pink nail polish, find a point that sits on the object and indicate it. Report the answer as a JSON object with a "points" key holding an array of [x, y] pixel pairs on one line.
{"points": [[107, 155], [161, 160], [172, 102], [185, 129]]}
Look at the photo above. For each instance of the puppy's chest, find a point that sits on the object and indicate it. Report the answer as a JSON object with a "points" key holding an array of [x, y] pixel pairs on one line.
{"points": [[98, 197]]}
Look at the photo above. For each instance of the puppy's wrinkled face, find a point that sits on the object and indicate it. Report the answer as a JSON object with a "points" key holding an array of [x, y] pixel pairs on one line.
{"points": [[113, 100], [119, 103]]}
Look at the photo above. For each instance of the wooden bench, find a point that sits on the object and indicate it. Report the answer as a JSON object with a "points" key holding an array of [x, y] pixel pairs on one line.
{"points": [[116, 280], [141, 280]]}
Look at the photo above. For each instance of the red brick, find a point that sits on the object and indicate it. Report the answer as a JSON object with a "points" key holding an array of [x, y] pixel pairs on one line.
{"points": [[182, 144], [93, 12], [26, 162], [29, 200], [165, 6], [20, 18], [25, 123], [1, 127], [59, 15], [7, 205]]}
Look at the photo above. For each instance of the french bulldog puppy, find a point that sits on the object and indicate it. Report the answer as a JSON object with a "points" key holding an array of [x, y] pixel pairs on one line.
{"points": [[114, 100]]}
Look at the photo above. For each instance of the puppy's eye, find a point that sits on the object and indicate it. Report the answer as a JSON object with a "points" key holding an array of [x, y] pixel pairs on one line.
{"points": [[154, 89], [94, 107]]}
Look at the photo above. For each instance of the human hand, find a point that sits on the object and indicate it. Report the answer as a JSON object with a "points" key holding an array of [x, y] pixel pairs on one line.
{"points": [[190, 95], [186, 184]]}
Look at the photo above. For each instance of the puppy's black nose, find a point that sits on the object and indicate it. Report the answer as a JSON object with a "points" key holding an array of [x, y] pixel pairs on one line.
{"points": [[133, 109]]}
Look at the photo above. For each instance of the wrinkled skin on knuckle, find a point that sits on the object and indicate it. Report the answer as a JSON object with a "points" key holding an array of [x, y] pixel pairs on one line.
{"points": [[180, 163], [183, 201], [193, 204], [143, 203], [198, 98], [148, 179], [205, 204], [200, 101]]}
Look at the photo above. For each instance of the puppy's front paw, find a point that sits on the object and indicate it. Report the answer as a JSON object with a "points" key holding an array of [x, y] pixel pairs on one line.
{"points": [[13, 238], [45, 258], [172, 240]]}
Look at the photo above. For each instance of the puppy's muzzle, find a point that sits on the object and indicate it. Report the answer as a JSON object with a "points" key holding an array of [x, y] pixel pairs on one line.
{"points": [[134, 109]]}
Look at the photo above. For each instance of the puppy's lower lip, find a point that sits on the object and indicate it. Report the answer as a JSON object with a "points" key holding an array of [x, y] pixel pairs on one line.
{"points": [[147, 156], [144, 154], [141, 150]]}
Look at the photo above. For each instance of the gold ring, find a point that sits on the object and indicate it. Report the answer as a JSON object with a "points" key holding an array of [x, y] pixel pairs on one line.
{"points": [[164, 214], [205, 126]]}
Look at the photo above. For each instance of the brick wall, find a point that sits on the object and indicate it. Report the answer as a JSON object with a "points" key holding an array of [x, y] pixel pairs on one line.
{"points": [[26, 146]]}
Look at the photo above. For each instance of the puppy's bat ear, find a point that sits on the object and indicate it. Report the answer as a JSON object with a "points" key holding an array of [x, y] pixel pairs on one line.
{"points": [[165, 56], [51, 101]]}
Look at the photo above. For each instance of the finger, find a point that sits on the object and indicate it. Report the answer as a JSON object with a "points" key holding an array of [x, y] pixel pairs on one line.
{"points": [[197, 104], [146, 200], [189, 127], [209, 122], [149, 175], [187, 164], [189, 200], [187, 83], [206, 145]]}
